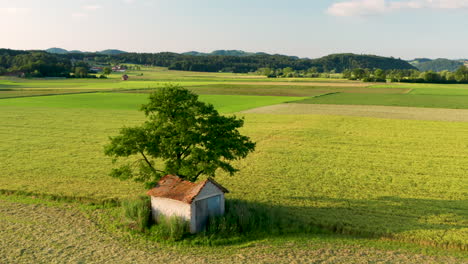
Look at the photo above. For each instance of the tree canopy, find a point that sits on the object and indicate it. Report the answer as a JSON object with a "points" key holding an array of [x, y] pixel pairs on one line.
{"points": [[182, 136]]}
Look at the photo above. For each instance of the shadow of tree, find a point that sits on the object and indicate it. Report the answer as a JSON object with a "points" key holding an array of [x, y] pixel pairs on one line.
{"points": [[441, 223]]}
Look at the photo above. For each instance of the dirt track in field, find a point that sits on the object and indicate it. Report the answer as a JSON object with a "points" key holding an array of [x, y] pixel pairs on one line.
{"points": [[392, 112]]}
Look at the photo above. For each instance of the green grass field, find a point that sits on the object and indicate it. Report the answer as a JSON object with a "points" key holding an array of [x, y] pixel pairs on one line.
{"points": [[337, 91], [390, 178], [371, 181], [28, 237], [413, 100], [133, 101]]}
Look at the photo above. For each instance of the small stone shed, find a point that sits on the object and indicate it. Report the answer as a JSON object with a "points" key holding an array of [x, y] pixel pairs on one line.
{"points": [[194, 202]]}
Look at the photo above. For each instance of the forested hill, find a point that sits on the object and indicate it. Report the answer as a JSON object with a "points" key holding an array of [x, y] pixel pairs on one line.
{"points": [[239, 53], [437, 65], [215, 63], [64, 51], [341, 62], [42, 63], [34, 63]]}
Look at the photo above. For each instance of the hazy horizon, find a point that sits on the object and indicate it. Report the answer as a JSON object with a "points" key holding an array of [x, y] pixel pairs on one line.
{"points": [[404, 29]]}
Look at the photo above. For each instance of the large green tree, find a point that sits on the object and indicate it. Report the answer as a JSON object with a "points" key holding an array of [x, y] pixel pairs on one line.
{"points": [[107, 70], [182, 136], [461, 75]]}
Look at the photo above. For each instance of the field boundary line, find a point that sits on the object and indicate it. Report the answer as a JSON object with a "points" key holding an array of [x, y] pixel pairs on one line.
{"points": [[309, 97], [40, 95], [62, 198]]}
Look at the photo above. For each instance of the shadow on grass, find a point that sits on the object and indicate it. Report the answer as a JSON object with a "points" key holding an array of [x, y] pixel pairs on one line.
{"points": [[444, 221], [386, 217]]}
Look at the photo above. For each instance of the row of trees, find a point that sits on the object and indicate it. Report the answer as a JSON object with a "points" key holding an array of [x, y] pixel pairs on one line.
{"points": [[289, 72], [379, 75]]}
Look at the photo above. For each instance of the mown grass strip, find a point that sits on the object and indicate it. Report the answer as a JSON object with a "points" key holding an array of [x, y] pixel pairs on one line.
{"points": [[411, 100]]}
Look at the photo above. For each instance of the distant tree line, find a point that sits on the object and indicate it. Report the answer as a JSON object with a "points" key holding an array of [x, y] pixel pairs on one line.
{"points": [[34, 63], [351, 66], [410, 76], [40, 64], [244, 64], [377, 75]]}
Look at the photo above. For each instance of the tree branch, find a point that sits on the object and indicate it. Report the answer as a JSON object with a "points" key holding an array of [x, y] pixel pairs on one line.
{"points": [[182, 155], [199, 173], [148, 162]]}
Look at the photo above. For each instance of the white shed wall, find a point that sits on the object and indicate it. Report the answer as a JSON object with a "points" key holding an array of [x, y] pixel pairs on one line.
{"points": [[169, 207]]}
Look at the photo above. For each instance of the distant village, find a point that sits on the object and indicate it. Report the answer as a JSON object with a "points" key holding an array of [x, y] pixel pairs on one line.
{"points": [[116, 68]]}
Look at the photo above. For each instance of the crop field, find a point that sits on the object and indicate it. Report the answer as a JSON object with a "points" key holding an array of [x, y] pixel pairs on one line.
{"points": [[321, 91], [389, 112], [389, 177], [413, 100], [124, 101], [40, 92], [369, 180]]}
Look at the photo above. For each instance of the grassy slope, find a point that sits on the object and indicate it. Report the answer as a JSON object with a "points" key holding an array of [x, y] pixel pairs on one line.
{"points": [[396, 178]]}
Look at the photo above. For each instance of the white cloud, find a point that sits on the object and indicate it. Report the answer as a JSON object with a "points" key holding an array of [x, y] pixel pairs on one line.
{"points": [[129, 1], [357, 8], [92, 7], [376, 7]]}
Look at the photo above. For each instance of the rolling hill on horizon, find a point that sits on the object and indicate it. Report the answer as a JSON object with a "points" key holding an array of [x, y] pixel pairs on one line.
{"points": [[437, 65], [64, 51], [239, 53], [332, 61], [208, 63]]}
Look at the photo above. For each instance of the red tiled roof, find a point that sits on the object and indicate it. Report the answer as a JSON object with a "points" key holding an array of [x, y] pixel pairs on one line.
{"points": [[173, 187]]}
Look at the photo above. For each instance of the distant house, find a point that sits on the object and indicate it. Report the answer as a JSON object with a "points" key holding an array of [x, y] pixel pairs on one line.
{"points": [[194, 202], [96, 69], [124, 77], [119, 68]]}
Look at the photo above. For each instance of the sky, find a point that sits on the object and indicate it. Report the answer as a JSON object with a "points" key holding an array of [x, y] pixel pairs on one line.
{"points": [[306, 28]]}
